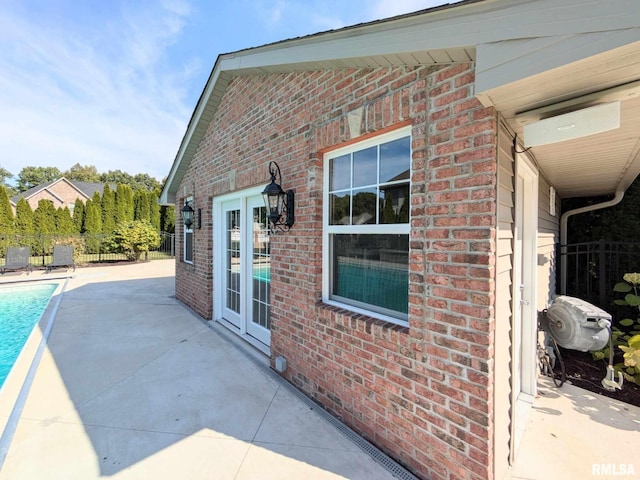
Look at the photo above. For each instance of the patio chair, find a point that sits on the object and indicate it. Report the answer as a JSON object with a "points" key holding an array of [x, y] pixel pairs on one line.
{"points": [[62, 257], [17, 258]]}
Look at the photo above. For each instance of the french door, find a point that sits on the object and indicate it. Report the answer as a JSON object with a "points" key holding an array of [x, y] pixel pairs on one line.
{"points": [[243, 267]]}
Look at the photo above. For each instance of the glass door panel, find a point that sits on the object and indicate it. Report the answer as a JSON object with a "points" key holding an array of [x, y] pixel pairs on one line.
{"points": [[233, 262], [260, 284]]}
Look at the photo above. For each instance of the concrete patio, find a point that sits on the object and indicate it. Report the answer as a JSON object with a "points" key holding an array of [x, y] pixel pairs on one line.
{"points": [[132, 385]]}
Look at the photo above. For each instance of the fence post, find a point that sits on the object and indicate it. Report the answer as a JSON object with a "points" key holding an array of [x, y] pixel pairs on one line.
{"points": [[602, 273], [173, 244], [42, 243]]}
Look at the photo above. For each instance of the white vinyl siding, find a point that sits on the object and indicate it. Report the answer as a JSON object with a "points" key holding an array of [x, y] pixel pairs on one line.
{"points": [[504, 313]]}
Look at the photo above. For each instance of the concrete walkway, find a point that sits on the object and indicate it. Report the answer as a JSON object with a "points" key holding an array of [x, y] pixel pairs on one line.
{"points": [[573, 433], [132, 385]]}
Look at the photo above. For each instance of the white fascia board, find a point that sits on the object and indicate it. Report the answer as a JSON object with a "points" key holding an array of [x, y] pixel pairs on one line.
{"points": [[469, 25]]}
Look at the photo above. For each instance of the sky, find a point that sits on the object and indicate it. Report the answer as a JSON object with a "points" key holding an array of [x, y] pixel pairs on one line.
{"points": [[113, 83]]}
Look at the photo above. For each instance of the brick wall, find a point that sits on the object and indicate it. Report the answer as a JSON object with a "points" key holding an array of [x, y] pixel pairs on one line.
{"points": [[61, 194], [423, 393]]}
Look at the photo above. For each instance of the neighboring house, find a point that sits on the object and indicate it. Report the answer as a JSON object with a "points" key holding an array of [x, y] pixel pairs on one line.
{"points": [[418, 330], [61, 192]]}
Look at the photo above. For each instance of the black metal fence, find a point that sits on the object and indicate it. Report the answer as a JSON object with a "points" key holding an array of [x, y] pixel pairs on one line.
{"points": [[593, 268], [88, 248]]}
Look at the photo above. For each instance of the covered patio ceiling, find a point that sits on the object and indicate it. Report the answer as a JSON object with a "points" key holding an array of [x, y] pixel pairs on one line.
{"points": [[594, 165]]}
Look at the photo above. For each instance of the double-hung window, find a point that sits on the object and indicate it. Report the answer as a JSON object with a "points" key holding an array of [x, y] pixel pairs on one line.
{"points": [[366, 226], [188, 238]]}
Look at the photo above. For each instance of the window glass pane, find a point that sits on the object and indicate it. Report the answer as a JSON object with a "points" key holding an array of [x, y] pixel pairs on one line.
{"points": [[365, 167], [340, 173], [339, 208], [394, 204], [188, 246], [233, 260], [395, 160], [372, 270], [364, 206]]}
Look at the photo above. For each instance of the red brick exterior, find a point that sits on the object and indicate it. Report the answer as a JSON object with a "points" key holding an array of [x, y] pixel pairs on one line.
{"points": [[61, 194], [422, 393]]}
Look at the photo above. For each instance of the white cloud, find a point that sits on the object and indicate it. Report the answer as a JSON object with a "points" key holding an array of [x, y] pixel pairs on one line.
{"points": [[106, 98]]}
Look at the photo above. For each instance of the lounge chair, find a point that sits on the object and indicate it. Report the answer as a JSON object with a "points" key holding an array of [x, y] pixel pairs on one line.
{"points": [[17, 259], [62, 257]]}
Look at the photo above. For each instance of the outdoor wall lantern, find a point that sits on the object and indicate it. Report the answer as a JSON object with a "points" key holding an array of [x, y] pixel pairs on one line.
{"points": [[187, 214], [280, 204]]}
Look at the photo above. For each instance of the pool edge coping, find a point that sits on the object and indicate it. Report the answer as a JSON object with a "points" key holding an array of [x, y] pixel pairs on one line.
{"points": [[15, 390]]}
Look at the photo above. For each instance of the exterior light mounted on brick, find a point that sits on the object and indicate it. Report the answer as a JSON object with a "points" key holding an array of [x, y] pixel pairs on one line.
{"points": [[280, 204], [187, 214]]}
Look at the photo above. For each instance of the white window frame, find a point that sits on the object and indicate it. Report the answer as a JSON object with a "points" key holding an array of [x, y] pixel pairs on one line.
{"points": [[328, 230], [185, 232]]}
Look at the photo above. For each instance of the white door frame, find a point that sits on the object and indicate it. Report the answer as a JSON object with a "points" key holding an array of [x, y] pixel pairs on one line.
{"points": [[524, 293], [245, 202]]}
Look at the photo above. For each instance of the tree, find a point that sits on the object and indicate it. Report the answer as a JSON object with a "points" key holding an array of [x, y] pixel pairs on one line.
{"points": [[64, 222], [44, 217], [29, 177], [117, 177], [134, 238], [78, 216], [97, 201], [167, 219], [5, 175], [24, 225], [83, 173], [108, 210], [141, 205], [124, 203], [44, 222], [92, 226], [143, 181], [7, 221], [154, 209], [24, 217]]}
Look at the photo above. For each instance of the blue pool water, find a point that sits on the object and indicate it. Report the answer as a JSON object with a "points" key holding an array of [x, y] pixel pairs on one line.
{"points": [[262, 272], [20, 309]]}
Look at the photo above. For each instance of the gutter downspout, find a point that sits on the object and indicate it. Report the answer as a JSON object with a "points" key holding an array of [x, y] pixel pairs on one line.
{"points": [[564, 219]]}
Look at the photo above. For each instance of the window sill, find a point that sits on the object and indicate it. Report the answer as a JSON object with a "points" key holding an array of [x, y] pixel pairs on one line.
{"points": [[351, 311]]}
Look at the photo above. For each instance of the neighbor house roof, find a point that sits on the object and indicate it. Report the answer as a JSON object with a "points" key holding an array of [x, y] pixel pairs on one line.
{"points": [[85, 189], [518, 47]]}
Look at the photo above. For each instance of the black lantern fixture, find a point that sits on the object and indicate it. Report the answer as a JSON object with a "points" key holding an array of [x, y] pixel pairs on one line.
{"points": [[187, 214], [280, 204]]}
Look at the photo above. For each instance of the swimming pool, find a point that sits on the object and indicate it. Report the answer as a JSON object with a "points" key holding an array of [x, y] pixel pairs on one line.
{"points": [[20, 309]]}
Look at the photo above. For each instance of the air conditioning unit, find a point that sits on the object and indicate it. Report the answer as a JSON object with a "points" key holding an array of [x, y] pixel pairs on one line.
{"points": [[576, 124], [577, 325]]}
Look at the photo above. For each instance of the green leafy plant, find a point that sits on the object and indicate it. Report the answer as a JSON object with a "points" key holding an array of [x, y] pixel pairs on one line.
{"points": [[133, 239], [627, 339], [632, 352]]}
